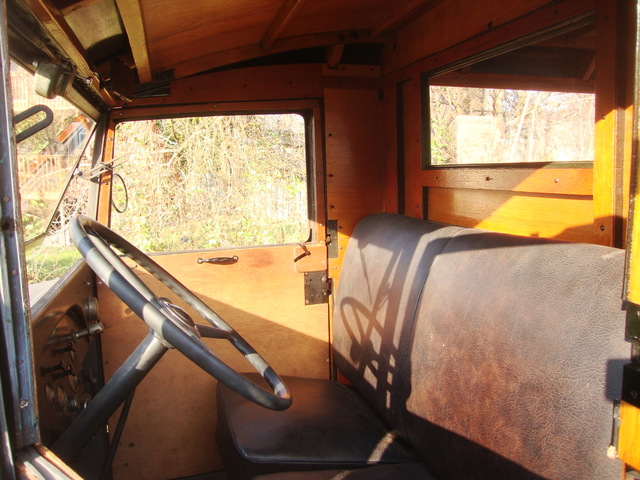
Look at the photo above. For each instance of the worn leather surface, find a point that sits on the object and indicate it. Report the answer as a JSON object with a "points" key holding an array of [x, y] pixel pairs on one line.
{"points": [[516, 357], [406, 471], [507, 370], [383, 273], [328, 426]]}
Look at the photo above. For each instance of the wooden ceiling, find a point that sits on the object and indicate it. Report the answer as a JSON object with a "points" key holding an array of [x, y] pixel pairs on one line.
{"points": [[190, 37]]}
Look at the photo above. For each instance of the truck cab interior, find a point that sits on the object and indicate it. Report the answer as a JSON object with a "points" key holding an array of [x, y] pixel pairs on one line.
{"points": [[316, 239]]}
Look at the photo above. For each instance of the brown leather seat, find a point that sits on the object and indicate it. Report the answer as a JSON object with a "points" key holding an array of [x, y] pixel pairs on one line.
{"points": [[503, 365]]}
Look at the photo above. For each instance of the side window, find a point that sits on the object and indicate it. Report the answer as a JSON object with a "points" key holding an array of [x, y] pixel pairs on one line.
{"points": [[52, 187], [211, 181], [497, 125], [534, 104]]}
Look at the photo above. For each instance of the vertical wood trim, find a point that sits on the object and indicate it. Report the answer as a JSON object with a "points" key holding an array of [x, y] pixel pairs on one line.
{"points": [[609, 147], [400, 146], [390, 122], [104, 188], [412, 121], [628, 38], [629, 439]]}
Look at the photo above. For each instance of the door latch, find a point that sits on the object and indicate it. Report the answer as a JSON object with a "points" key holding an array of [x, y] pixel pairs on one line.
{"points": [[317, 287]]}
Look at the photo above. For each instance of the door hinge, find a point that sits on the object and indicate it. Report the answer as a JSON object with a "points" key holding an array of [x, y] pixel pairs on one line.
{"points": [[317, 287]]}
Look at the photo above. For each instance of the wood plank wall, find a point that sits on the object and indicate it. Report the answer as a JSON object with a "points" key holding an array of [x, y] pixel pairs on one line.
{"points": [[353, 145], [575, 204]]}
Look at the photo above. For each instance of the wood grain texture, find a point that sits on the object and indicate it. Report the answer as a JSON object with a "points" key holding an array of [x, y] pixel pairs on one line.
{"points": [[390, 146], [493, 80], [478, 27], [208, 61], [284, 17], [278, 82], [56, 25], [412, 138], [133, 19], [629, 435], [564, 181], [170, 432], [549, 216], [401, 14], [607, 145], [353, 146]]}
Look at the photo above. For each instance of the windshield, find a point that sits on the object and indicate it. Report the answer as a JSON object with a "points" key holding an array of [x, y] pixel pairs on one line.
{"points": [[51, 190]]}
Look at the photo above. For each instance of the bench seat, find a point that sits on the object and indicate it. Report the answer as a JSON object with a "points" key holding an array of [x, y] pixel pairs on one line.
{"points": [[492, 356]]}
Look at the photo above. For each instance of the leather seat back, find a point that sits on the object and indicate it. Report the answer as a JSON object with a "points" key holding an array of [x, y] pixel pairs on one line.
{"points": [[515, 359], [384, 270]]}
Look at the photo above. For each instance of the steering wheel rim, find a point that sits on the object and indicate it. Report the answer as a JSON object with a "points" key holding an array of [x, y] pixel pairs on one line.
{"points": [[95, 242]]}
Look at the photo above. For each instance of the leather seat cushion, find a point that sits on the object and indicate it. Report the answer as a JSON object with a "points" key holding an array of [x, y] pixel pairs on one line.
{"points": [[404, 471], [328, 426]]}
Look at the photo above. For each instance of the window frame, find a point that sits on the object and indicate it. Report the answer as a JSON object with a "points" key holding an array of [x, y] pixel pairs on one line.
{"points": [[309, 110], [427, 79]]}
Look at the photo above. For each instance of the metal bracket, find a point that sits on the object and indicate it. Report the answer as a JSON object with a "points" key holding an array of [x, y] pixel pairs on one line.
{"points": [[332, 238], [317, 287], [631, 384], [632, 331]]}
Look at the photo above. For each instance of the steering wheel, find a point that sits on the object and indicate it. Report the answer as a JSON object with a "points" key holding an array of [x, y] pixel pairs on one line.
{"points": [[169, 323]]}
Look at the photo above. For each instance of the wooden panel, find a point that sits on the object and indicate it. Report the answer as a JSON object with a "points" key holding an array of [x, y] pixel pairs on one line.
{"points": [[611, 102], [176, 31], [170, 432], [353, 145], [247, 84], [562, 217], [493, 80], [629, 437], [565, 181], [479, 26], [412, 138], [390, 147]]}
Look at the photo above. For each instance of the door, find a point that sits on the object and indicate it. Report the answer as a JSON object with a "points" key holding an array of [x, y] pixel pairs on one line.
{"points": [[230, 205]]}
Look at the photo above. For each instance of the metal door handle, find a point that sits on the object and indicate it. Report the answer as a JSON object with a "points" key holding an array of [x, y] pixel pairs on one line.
{"points": [[219, 260]]}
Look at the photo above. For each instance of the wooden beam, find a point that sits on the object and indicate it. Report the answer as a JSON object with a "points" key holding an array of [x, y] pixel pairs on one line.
{"points": [[284, 17], [401, 14], [133, 19], [218, 59], [55, 24], [334, 55]]}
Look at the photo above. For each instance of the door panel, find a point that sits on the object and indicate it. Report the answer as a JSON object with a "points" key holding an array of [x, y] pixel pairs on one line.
{"points": [[171, 427]]}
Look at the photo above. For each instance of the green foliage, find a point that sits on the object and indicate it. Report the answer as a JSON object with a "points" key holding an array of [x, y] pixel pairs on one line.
{"points": [[45, 263], [485, 125], [208, 182]]}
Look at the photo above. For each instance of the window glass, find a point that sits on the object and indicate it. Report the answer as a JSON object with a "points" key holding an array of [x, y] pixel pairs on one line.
{"points": [[212, 181], [51, 190], [496, 125]]}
